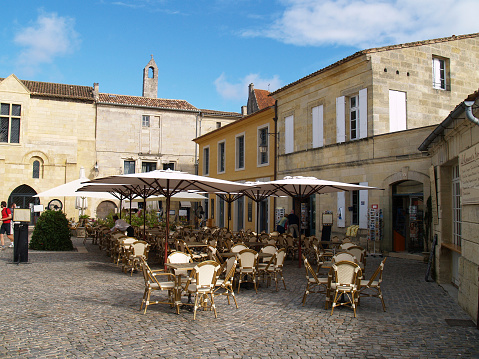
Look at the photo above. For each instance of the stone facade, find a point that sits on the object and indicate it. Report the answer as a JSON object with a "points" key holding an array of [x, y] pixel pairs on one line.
{"points": [[454, 149], [362, 119], [66, 127]]}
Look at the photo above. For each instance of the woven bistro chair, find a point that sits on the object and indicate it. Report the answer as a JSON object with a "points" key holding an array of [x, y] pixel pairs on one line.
{"points": [[345, 284], [372, 287], [360, 254], [224, 286], [314, 283], [247, 267], [201, 284], [238, 248], [270, 249], [153, 284], [136, 250]]}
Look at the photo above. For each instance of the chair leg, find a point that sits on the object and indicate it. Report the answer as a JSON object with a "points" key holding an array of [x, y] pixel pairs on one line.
{"points": [[213, 304], [196, 306]]}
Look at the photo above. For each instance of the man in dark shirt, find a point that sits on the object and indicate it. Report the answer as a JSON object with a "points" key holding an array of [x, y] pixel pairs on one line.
{"points": [[293, 222]]}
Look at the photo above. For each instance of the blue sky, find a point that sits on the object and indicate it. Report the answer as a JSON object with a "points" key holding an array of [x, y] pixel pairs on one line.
{"points": [[208, 51]]}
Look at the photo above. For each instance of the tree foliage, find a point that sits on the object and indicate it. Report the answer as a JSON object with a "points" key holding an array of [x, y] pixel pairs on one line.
{"points": [[51, 232]]}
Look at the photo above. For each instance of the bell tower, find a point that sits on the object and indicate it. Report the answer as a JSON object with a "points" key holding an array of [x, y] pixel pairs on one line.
{"points": [[150, 79]]}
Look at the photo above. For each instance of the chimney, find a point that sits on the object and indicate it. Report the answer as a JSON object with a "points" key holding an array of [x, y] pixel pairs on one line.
{"points": [[96, 91], [244, 110]]}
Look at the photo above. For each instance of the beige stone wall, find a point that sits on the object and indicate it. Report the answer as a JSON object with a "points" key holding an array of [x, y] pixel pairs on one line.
{"points": [[459, 136], [56, 132]]}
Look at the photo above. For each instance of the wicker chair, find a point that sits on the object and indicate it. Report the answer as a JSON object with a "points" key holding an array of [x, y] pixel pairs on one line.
{"points": [[345, 284], [153, 284], [314, 283], [372, 287], [247, 268], [224, 286]]}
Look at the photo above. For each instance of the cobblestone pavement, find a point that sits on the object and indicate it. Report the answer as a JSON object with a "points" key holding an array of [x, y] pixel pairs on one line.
{"points": [[80, 305]]}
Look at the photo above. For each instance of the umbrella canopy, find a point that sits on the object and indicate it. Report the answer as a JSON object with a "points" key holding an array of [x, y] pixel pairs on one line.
{"points": [[168, 183], [70, 190], [300, 187]]}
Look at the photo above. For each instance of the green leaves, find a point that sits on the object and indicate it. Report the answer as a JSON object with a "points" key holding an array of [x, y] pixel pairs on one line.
{"points": [[51, 232]]}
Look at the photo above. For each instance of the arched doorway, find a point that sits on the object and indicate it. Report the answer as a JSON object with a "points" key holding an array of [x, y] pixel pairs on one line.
{"points": [[105, 208], [22, 196], [408, 216]]}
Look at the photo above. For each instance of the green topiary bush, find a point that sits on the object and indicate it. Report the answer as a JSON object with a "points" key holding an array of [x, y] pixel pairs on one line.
{"points": [[51, 232]]}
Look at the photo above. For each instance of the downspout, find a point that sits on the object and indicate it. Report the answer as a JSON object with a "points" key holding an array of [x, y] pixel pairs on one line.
{"points": [[470, 116]]}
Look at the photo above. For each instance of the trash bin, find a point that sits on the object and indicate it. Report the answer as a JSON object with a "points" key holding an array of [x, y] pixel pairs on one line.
{"points": [[20, 243]]}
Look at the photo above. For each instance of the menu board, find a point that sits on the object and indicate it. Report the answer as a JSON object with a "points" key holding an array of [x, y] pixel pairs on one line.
{"points": [[21, 215], [469, 173]]}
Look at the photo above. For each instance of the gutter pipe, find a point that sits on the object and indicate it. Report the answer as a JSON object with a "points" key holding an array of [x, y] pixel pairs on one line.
{"points": [[470, 116]]}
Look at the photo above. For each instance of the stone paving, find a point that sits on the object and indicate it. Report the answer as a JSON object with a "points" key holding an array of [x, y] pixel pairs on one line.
{"points": [[80, 305]]}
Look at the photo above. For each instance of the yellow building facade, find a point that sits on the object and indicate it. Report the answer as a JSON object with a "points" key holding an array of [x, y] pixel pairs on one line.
{"points": [[241, 151]]}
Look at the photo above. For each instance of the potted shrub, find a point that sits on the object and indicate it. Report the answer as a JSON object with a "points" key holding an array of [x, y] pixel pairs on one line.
{"points": [[51, 232]]}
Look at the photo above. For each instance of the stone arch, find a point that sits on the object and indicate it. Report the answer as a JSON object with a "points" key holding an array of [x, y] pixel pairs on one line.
{"points": [[29, 157], [406, 174], [104, 209]]}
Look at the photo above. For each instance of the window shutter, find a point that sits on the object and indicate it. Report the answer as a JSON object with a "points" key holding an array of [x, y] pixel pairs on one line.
{"points": [[341, 202], [363, 113], [317, 113], [397, 111], [363, 207], [289, 134], [340, 119], [436, 73]]}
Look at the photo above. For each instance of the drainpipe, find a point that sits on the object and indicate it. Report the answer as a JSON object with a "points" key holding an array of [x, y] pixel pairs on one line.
{"points": [[469, 114]]}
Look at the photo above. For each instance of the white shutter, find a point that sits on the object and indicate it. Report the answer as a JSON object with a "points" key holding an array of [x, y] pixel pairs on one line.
{"points": [[317, 113], [341, 212], [436, 73], [363, 113], [289, 134], [397, 111], [340, 119], [363, 207]]}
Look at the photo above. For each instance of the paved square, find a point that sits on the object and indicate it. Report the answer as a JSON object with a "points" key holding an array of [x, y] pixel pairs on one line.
{"points": [[80, 305]]}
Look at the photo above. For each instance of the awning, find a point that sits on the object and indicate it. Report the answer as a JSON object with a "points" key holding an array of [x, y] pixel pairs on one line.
{"points": [[185, 204]]}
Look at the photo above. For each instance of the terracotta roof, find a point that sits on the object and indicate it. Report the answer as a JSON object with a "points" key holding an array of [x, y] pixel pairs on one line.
{"points": [[263, 99], [220, 113], [145, 102], [377, 49], [48, 89]]}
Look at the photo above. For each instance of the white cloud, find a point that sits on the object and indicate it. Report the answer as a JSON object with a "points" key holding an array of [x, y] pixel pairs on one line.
{"points": [[239, 91], [49, 37], [369, 23]]}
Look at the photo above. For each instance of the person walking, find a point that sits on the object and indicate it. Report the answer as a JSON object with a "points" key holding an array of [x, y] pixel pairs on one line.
{"points": [[6, 227], [293, 223]]}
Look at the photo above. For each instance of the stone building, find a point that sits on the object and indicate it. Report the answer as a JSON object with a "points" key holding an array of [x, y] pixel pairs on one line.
{"points": [[47, 134], [453, 147], [362, 119], [49, 131], [241, 151]]}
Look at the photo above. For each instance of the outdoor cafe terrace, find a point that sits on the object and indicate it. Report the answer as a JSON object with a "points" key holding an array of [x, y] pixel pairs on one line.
{"points": [[83, 304]]}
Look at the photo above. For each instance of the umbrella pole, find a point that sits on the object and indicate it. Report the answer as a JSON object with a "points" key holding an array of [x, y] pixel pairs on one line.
{"points": [[121, 202], [229, 214], [130, 208], [257, 220], [144, 218], [167, 231]]}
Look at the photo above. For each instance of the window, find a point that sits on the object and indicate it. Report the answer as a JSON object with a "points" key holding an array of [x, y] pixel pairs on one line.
{"points": [[263, 146], [148, 166], [317, 122], [151, 72], [439, 73], [240, 152], [456, 206], [169, 166], [145, 121], [221, 157], [397, 111], [206, 161], [353, 117], [36, 169], [10, 123], [129, 167], [289, 134]]}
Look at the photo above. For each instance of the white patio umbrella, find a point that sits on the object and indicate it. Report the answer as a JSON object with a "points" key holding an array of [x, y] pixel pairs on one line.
{"points": [[300, 187], [168, 183], [69, 189]]}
